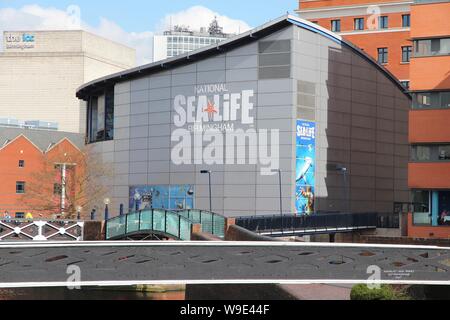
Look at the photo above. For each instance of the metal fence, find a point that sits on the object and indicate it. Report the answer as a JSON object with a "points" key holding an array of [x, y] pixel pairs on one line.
{"points": [[319, 223]]}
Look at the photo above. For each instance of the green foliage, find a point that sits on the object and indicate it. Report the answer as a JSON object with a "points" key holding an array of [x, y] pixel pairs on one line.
{"points": [[385, 292]]}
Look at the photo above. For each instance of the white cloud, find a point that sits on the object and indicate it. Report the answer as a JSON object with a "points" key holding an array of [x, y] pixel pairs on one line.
{"points": [[35, 17], [198, 16]]}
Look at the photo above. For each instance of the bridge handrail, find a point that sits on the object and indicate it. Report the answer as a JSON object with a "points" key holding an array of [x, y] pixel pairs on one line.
{"points": [[211, 222], [292, 223], [159, 220]]}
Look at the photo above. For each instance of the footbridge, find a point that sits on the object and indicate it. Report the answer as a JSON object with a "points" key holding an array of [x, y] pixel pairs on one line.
{"points": [[177, 225], [116, 263]]}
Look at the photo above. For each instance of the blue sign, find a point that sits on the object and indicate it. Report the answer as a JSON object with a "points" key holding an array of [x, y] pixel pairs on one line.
{"points": [[179, 197], [27, 37], [305, 167]]}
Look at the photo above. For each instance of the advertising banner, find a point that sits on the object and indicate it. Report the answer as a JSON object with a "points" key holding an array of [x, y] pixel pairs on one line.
{"points": [[177, 197], [305, 167]]}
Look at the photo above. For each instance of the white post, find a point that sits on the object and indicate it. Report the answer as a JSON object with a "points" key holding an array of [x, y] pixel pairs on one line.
{"points": [[63, 189]]}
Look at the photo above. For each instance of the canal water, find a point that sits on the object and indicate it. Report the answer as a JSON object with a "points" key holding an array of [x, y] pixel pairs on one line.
{"points": [[87, 294]]}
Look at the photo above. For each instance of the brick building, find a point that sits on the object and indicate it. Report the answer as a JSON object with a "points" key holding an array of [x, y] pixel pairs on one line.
{"points": [[412, 40], [31, 169], [429, 169], [379, 27]]}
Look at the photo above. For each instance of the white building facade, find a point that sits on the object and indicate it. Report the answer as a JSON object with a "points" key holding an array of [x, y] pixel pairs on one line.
{"points": [[40, 71], [181, 40]]}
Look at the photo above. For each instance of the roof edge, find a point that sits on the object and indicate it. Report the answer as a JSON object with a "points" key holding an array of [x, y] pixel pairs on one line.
{"points": [[187, 58]]}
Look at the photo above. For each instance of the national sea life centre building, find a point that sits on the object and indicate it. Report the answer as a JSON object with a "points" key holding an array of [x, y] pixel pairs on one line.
{"points": [[288, 104]]}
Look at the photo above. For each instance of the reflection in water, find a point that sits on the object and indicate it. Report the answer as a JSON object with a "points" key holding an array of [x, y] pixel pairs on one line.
{"points": [[86, 294]]}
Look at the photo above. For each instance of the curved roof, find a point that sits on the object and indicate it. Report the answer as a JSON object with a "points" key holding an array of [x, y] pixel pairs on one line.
{"points": [[239, 40]]}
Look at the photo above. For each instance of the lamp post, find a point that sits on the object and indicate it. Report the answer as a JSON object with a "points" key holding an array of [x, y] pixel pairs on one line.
{"points": [[281, 199], [107, 202], [344, 172], [210, 190], [93, 214]]}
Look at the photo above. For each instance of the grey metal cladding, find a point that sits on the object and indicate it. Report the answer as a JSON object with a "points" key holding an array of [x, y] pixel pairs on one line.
{"points": [[274, 46]]}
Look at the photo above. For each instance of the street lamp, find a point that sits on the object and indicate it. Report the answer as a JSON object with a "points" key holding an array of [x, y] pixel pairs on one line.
{"points": [[281, 198], [107, 201], [210, 190], [344, 172]]}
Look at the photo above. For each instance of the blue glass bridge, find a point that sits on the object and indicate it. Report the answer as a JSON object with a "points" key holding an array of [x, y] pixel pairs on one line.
{"points": [[171, 224]]}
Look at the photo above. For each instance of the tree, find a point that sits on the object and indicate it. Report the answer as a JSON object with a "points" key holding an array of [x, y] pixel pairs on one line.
{"points": [[67, 179]]}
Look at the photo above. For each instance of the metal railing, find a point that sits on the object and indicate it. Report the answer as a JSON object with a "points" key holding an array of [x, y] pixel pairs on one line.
{"points": [[211, 222], [277, 225], [41, 230], [388, 221], [160, 221]]}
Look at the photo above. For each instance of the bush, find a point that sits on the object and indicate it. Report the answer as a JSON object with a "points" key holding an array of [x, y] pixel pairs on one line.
{"points": [[385, 292]]}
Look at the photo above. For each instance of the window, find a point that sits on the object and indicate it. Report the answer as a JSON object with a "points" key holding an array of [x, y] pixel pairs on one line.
{"points": [[336, 25], [431, 208], [405, 84], [421, 153], [383, 22], [382, 55], [431, 100], [359, 24], [57, 189], [20, 187], [21, 163], [406, 54], [101, 117], [421, 201], [20, 215], [444, 153], [430, 153], [406, 20], [431, 47]]}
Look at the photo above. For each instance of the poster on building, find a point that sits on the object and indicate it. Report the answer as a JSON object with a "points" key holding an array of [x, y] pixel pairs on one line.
{"points": [[305, 167], [176, 197]]}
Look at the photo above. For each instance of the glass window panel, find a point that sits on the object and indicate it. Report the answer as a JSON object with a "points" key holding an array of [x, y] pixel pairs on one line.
{"points": [[421, 201], [421, 153], [444, 208], [109, 115], [359, 24], [383, 22], [336, 25], [445, 99], [444, 152], [406, 20], [93, 108], [435, 46]]}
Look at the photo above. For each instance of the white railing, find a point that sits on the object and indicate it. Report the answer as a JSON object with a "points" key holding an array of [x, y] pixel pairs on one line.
{"points": [[42, 230]]}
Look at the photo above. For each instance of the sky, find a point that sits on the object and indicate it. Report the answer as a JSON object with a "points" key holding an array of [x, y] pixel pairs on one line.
{"points": [[134, 22]]}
